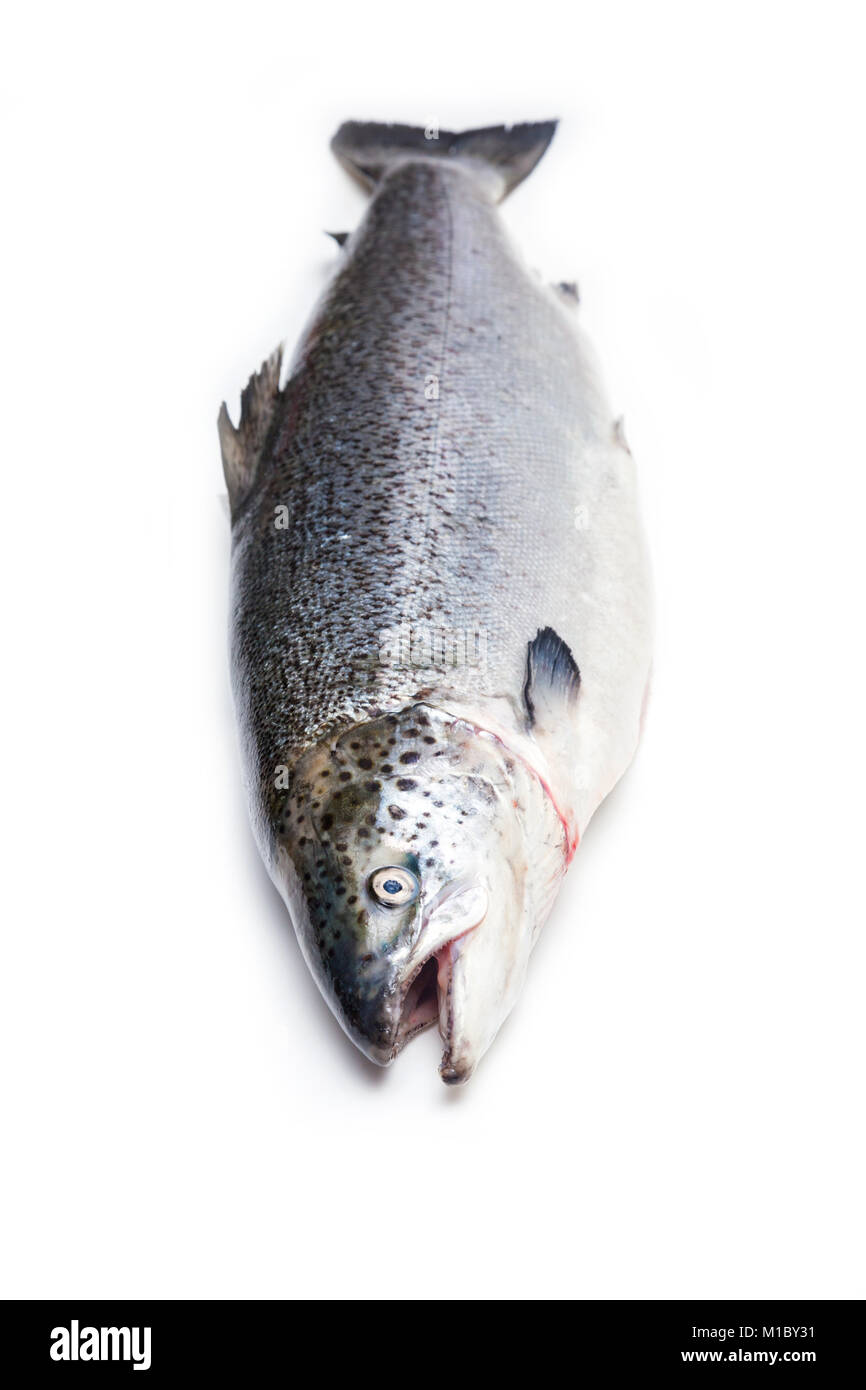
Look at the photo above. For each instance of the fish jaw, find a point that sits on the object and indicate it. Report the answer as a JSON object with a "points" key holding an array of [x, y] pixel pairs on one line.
{"points": [[458, 1061], [481, 938], [478, 987], [481, 974], [422, 998]]}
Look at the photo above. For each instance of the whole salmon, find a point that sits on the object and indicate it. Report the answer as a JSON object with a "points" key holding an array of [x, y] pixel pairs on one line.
{"points": [[440, 599]]}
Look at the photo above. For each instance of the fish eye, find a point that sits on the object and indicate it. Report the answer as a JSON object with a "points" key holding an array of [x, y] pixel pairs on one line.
{"points": [[394, 886]]}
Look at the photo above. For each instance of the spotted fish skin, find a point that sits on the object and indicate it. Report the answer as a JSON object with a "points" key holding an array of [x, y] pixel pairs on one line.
{"points": [[434, 523]]}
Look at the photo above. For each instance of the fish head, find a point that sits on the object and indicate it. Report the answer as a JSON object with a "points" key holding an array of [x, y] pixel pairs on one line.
{"points": [[418, 858]]}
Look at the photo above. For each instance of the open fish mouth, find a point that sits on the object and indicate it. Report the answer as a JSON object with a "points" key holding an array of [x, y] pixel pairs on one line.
{"points": [[419, 1007], [426, 995]]}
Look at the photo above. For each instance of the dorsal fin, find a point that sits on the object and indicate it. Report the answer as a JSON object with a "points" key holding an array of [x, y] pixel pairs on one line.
{"points": [[242, 445], [552, 679]]}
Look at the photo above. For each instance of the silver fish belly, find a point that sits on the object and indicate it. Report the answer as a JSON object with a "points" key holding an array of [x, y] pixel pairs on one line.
{"points": [[441, 629]]}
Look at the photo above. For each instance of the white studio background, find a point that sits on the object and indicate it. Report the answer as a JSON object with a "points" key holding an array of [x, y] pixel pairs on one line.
{"points": [[675, 1108]]}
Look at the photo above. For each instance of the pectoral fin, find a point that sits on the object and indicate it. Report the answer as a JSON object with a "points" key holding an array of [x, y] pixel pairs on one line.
{"points": [[552, 681], [551, 698]]}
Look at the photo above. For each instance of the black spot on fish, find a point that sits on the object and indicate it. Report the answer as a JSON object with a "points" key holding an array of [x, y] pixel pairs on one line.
{"points": [[406, 784], [410, 757], [396, 812], [365, 763]]}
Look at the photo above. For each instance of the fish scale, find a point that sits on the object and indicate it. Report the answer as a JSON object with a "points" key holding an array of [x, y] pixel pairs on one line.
{"points": [[441, 467]]}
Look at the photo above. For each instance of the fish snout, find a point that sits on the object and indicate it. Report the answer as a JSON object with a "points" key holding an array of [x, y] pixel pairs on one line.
{"points": [[368, 1007]]}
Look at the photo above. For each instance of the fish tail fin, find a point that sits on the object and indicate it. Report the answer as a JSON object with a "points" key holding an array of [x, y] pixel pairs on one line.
{"points": [[369, 149]]}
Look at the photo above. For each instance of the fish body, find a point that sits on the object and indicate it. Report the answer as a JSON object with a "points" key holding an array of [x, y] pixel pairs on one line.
{"points": [[441, 630]]}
